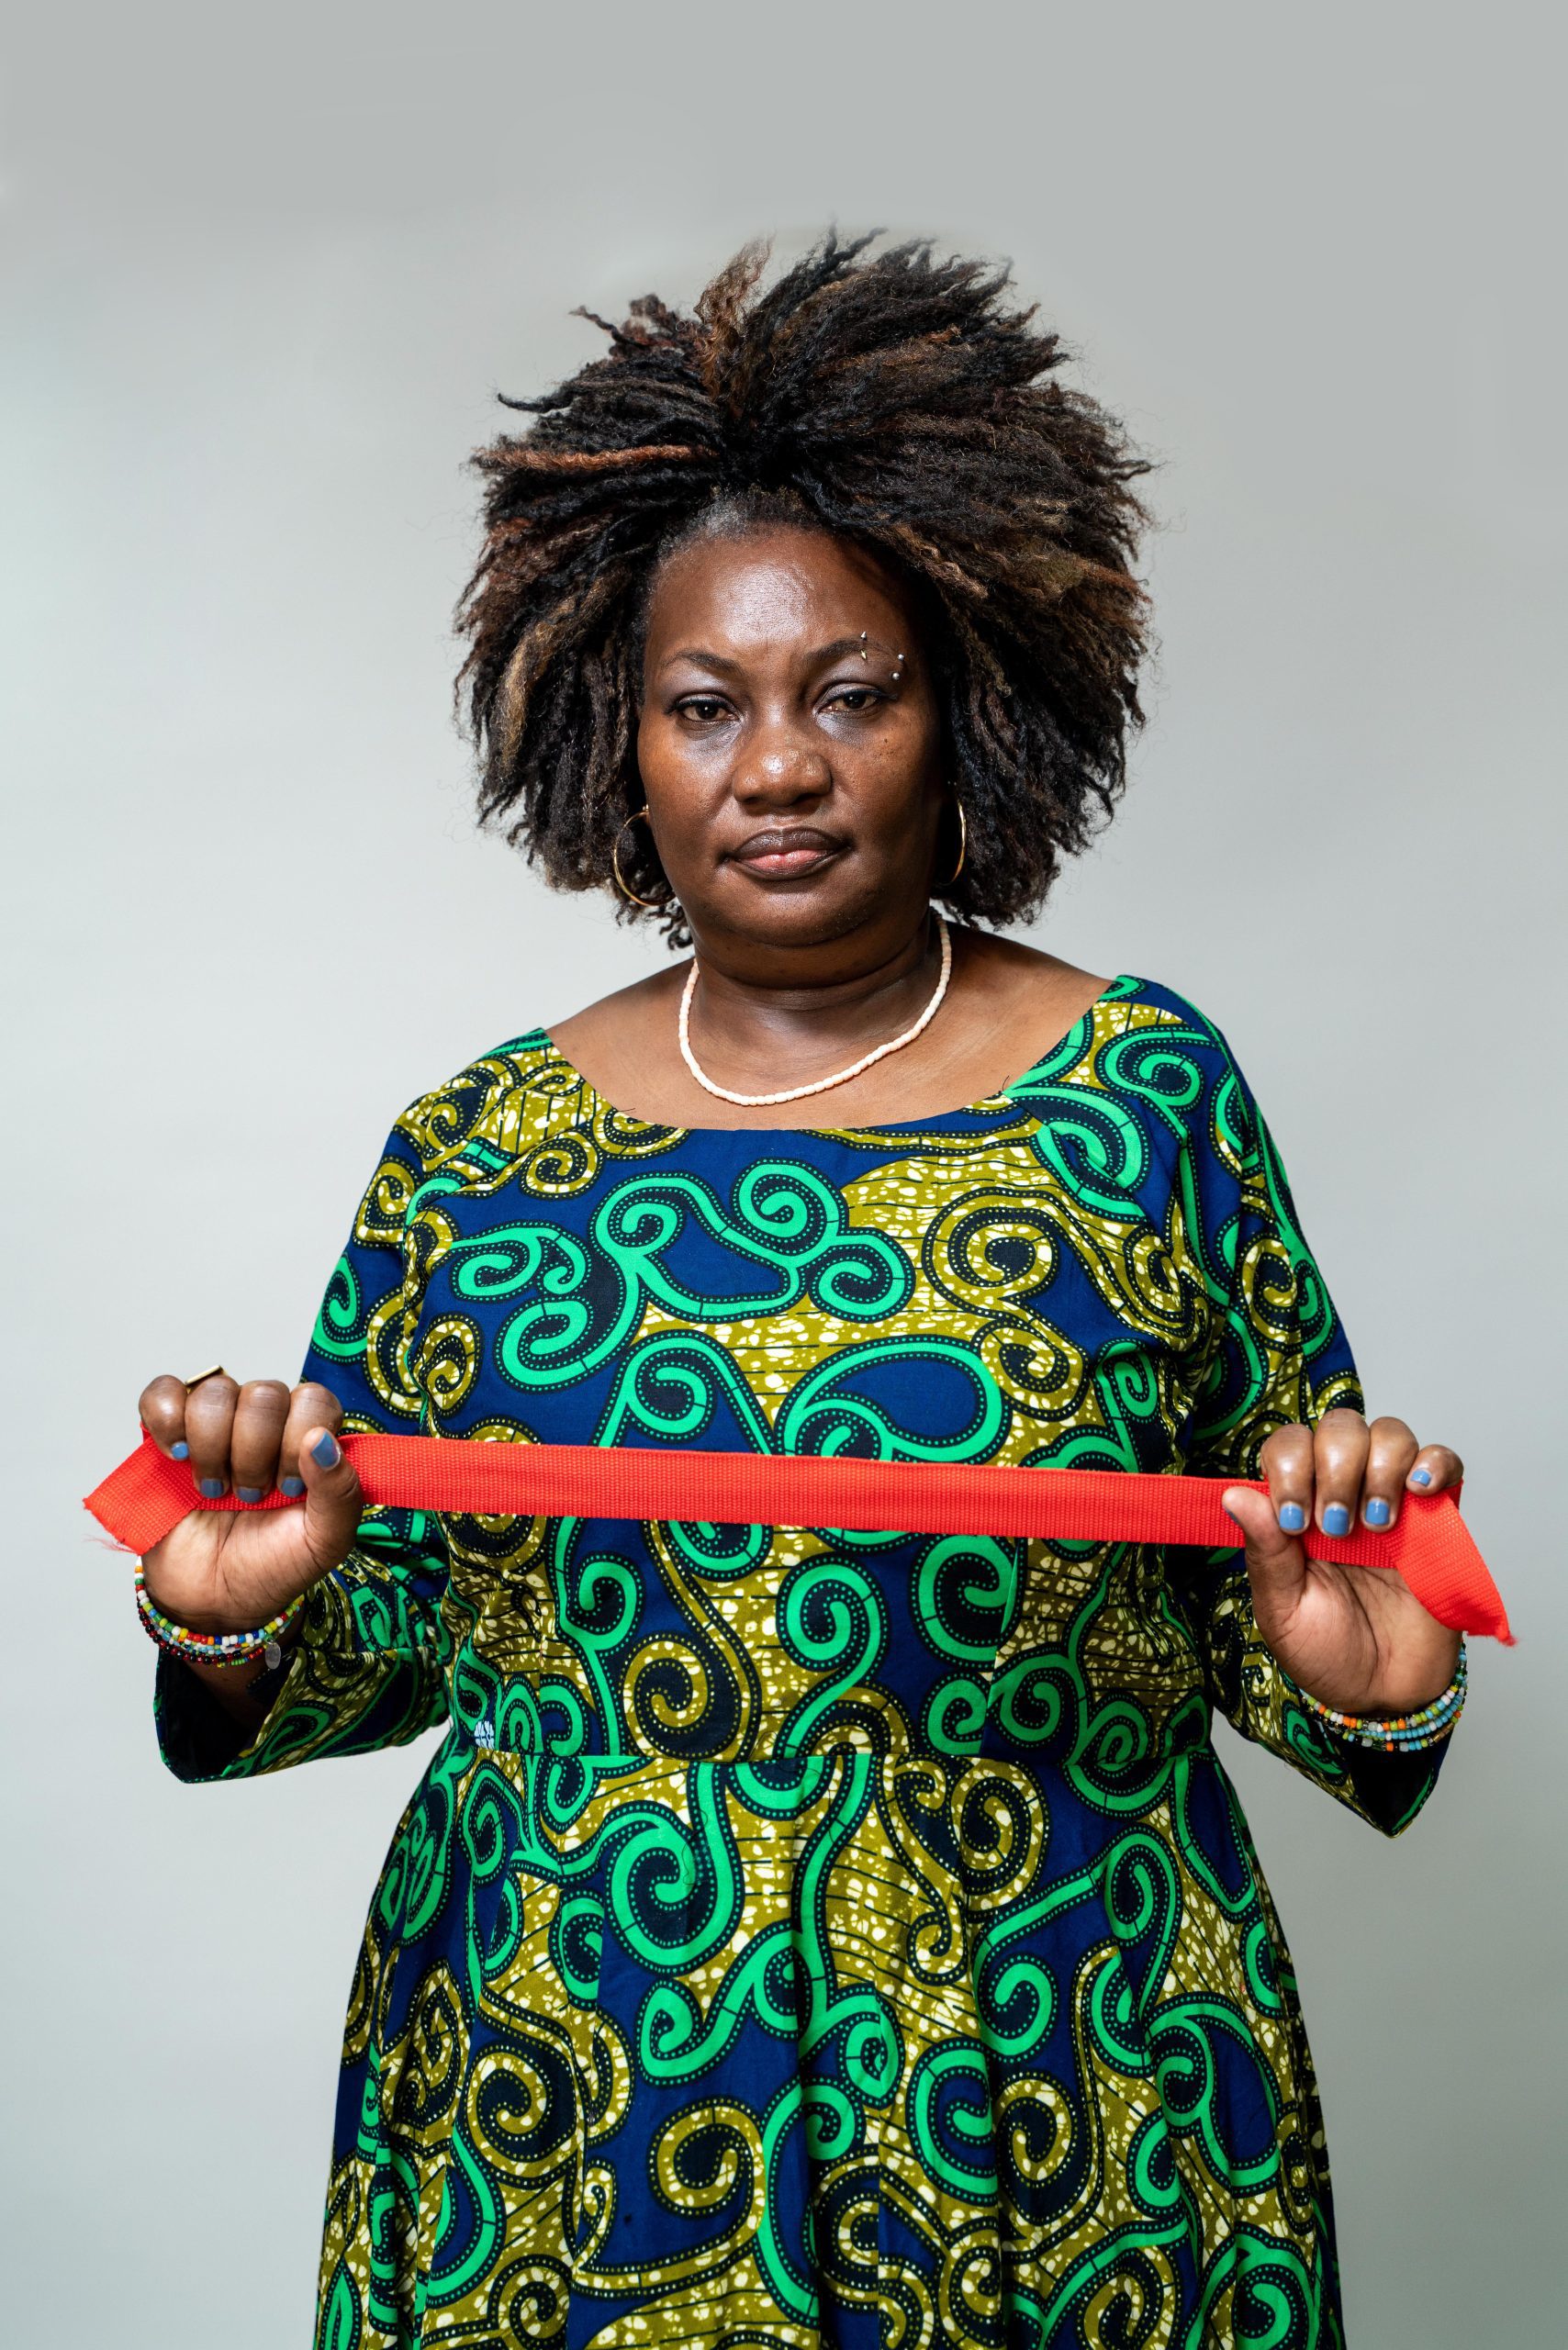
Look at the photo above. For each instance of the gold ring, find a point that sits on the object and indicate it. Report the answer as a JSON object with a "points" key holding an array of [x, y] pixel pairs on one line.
{"points": [[213, 1371], [655, 904]]}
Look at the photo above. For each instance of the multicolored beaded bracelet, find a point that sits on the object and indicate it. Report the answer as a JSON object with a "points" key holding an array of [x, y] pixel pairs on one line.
{"points": [[215, 1647], [1400, 1733]]}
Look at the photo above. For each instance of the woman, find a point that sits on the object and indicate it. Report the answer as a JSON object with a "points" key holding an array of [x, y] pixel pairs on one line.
{"points": [[804, 1936]]}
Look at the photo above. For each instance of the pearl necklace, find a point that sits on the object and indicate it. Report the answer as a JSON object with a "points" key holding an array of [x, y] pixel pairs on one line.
{"points": [[821, 1084]]}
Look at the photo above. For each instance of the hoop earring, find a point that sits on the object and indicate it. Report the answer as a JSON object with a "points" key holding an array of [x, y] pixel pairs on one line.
{"points": [[654, 904], [963, 845]]}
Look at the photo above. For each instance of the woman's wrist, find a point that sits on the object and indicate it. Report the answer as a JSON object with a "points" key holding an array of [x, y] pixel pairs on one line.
{"points": [[219, 1614], [222, 1645], [1420, 1725], [1416, 1689]]}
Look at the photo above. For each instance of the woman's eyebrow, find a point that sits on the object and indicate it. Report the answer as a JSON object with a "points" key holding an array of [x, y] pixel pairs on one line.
{"points": [[862, 645], [699, 657], [703, 659]]}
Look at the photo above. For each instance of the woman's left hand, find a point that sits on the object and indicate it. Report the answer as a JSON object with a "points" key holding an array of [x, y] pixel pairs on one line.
{"points": [[1354, 1638]]}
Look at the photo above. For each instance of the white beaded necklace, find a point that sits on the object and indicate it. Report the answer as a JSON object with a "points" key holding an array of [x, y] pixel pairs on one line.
{"points": [[823, 1084]]}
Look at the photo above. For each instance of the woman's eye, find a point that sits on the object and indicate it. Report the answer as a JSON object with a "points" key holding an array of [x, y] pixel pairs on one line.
{"points": [[702, 708], [853, 698]]}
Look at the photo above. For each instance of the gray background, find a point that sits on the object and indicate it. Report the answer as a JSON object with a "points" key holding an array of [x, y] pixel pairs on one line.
{"points": [[263, 271]]}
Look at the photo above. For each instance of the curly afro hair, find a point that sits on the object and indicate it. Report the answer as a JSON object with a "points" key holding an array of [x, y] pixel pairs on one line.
{"points": [[891, 397]]}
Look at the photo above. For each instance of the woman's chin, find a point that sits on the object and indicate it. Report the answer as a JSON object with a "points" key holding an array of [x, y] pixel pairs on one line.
{"points": [[806, 911]]}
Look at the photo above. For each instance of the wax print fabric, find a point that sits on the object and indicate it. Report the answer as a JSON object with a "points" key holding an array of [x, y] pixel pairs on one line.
{"points": [[800, 1936]]}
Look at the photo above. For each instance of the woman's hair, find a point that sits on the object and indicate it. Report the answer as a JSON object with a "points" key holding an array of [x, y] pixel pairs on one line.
{"points": [[891, 398]]}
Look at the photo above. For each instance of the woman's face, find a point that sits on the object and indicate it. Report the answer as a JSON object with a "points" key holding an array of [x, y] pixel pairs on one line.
{"points": [[790, 746]]}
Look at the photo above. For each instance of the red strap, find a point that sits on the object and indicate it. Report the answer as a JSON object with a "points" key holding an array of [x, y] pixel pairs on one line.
{"points": [[147, 1496]]}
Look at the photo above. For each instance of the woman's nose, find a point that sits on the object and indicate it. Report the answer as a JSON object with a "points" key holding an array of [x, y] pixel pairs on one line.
{"points": [[778, 772]]}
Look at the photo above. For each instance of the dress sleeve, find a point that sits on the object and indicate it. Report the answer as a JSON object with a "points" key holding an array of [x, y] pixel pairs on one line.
{"points": [[369, 1667], [1279, 1355]]}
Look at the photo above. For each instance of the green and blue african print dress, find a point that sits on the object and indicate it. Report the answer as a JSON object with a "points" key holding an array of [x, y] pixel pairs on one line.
{"points": [[803, 1937]]}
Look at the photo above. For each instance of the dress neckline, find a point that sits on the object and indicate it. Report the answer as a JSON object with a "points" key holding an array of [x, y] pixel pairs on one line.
{"points": [[1123, 982]]}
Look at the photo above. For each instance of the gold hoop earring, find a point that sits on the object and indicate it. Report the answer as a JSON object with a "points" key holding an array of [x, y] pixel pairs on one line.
{"points": [[654, 904], [963, 844]]}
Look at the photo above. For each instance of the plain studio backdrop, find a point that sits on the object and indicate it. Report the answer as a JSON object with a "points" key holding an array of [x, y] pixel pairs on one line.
{"points": [[264, 273]]}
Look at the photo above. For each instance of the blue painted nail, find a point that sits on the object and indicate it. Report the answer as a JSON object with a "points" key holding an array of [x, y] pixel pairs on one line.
{"points": [[1420, 1476], [1292, 1517], [292, 1487], [249, 1492], [325, 1453], [210, 1488], [179, 1451], [1377, 1512], [1336, 1519]]}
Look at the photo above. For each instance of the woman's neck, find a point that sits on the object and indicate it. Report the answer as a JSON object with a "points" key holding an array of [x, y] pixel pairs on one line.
{"points": [[1007, 1004], [778, 1028]]}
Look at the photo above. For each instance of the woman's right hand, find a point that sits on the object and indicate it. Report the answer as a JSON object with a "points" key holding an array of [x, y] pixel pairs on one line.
{"points": [[223, 1570]]}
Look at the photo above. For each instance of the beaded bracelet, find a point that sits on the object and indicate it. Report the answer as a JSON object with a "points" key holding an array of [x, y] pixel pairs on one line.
{"points": [[215, 1647], [1400, 1733]]}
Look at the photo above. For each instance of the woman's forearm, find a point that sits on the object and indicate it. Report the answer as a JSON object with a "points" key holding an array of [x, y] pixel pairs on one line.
{"points": [[246, 1691]]}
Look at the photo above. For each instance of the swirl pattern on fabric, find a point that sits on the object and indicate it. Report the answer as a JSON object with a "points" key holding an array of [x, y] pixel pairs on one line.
{"points": [[805, 1936]]}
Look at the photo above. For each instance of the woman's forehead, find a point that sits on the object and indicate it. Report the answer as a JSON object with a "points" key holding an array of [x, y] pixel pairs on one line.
{"points": [[770, 585]]}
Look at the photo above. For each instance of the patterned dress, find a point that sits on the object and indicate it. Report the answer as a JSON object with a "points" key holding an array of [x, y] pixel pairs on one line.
{"points": [[800, 1936]]}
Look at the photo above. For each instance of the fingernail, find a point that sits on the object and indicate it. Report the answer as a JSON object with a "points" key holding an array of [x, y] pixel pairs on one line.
{"points": [[1292, 1517], [249, 1492], [1229, 1512], [210, 1488], [1336, 1519], [179, 1451], [292, 1487], [325, 1452], [1377, 1512], [1420, 1476]]}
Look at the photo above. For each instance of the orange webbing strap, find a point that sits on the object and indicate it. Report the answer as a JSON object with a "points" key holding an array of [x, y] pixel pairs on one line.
{"points": [[1431, 1545]]}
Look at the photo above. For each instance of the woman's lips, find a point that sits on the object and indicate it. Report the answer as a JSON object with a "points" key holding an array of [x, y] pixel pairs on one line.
{"points": [[785, 856]]}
